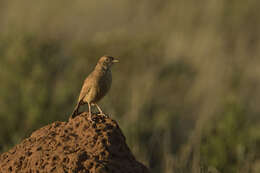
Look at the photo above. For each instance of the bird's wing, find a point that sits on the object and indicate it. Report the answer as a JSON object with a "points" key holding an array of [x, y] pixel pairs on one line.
{"points": [[85, 89]]}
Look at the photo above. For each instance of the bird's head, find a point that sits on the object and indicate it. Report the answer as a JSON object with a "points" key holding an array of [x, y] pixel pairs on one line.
{"points": [[107, 61]]}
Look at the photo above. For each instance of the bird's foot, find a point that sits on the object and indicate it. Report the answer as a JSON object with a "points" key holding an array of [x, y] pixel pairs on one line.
{"points": [[105, 115], [90, 118]]}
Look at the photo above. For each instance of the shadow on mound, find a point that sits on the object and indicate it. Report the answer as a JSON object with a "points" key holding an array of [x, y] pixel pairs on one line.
{"points": [[77, 146]]}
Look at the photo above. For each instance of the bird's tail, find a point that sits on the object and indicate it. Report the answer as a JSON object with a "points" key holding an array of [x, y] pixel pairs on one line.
{"points": [[75, 111]]}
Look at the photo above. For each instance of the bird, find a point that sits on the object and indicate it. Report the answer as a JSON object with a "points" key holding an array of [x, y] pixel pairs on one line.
{"points": [[96, 85]]}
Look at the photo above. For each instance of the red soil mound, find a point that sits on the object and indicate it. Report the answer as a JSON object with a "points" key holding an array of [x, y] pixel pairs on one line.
{"points": [[77, 146]]}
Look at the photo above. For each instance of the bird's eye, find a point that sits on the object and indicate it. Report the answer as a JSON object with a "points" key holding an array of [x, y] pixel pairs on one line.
{"points": [[107, 60]]}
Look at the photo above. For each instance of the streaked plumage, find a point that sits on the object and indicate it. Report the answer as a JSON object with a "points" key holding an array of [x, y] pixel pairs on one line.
{"points": [[96, 85]]}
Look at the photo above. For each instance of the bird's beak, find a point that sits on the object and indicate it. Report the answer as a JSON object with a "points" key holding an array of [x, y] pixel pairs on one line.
{"points": [[115, 60]]}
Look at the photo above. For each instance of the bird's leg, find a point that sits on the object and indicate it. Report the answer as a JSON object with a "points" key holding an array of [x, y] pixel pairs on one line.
{"points": [[90, 115], [100, 111]]}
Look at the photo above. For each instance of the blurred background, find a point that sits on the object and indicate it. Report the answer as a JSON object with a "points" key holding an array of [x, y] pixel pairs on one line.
{"points": [[185, 93]]}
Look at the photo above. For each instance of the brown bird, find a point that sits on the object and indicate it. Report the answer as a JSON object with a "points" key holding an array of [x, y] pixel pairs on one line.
{"points": [[96, 85]]}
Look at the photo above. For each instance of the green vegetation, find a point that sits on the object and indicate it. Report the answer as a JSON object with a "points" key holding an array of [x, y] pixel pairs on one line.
{"points": [[186, 91]]}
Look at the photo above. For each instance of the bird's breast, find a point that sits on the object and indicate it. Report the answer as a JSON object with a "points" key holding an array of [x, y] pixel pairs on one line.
{"points": [[103, 85]]}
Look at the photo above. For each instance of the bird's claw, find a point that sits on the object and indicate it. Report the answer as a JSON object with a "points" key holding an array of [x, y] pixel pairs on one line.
{"points": [[105, 115], [90, 118]]}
